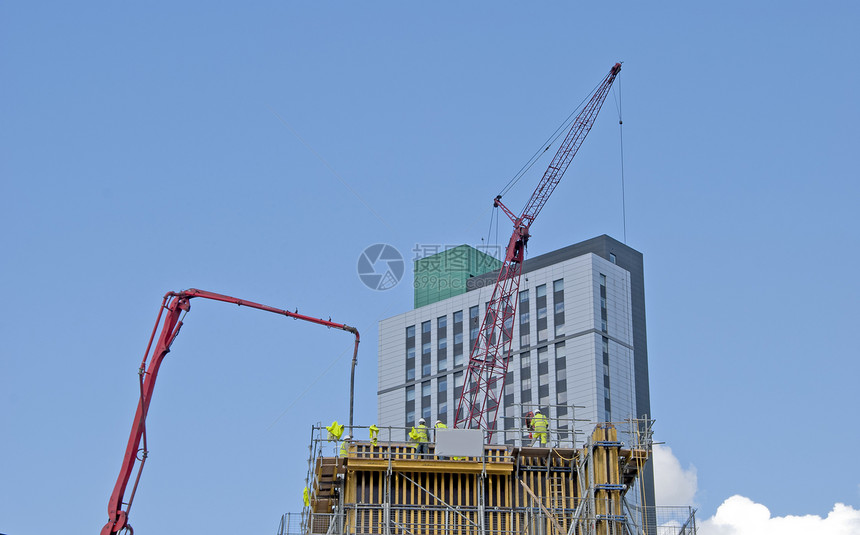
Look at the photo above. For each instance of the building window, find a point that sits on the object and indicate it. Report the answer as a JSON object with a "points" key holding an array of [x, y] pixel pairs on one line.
{"points": [[541, 306], [442, 322], [509, 384], [526, 391], [558, 311], [410, 405], [442, 398], [410, 353], [525, 318], [458, 338], [458, 385], [425, 327], [604, 321], [425, 399], [612, 257]]}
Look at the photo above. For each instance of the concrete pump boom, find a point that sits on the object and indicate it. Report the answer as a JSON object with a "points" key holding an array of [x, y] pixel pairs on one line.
{"points": [[175, 303]]}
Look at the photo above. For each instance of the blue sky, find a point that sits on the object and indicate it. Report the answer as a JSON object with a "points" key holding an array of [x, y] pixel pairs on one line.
{"points": [[257, 150]]}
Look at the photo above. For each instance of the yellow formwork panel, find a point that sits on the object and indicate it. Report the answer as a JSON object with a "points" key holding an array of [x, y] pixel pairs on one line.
{"points": [[444, 497]]}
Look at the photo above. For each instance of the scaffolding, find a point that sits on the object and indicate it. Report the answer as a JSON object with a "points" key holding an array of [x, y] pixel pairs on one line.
{"points": [[383, 486]]}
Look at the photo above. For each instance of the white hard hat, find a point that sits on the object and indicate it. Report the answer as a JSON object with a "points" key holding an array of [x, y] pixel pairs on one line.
{"points": [[438, 421], [347, 437], [537, 411], [421, 421]]}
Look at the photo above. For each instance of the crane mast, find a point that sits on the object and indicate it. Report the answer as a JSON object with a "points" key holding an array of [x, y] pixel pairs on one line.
{"points": [[484, 380]]}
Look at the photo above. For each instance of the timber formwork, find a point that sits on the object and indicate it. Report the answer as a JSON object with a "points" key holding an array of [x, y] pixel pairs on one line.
{"points": [[388, 489]]}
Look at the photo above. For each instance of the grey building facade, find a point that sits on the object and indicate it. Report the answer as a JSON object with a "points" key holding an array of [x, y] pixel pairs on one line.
{"points": [[579, 349]]}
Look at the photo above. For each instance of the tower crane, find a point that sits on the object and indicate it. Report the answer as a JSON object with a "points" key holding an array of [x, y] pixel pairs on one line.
{"points": [[484, 380], [176, 304]]}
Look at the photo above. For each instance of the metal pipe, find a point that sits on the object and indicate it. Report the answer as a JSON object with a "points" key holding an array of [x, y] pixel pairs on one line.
{"points": [[352, 376]]}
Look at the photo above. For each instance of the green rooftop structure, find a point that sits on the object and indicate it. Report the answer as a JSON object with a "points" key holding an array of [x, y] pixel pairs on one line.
{"points": [[444, 274]]}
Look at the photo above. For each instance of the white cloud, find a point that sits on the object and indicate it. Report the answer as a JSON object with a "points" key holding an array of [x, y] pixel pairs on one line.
{"points": [[673, 485], [739, 515]]}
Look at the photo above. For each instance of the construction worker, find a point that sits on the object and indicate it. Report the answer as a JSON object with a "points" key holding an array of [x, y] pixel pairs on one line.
{"points": [[540, 426], [421, 437], [344, 447], [440, 425]]}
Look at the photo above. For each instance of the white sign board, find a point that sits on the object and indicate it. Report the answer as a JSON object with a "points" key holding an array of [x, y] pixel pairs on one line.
{"points": [[459, 442]]}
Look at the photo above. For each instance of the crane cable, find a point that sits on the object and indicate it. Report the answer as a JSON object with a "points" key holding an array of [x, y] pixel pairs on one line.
{"points": [[546, 145], [621, 136]]}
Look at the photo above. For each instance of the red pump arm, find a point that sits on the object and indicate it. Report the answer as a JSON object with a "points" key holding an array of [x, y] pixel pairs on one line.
{"points": [[172, 307]]}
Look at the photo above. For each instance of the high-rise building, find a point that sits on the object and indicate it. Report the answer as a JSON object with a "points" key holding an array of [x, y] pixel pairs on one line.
{"points": [[579, 349]]}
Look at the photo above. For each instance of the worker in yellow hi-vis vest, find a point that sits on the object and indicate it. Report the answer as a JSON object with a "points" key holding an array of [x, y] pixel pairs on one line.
{"points": [[344, 447], [439, 425], [421, 438], [540, 427]]}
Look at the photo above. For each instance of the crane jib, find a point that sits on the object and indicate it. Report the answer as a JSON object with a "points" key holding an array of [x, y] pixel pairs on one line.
{"points": [[488, 361]]}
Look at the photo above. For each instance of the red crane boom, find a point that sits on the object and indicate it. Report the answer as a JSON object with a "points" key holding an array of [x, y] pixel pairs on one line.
{"points": [[488, 361], [175, 303]]}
